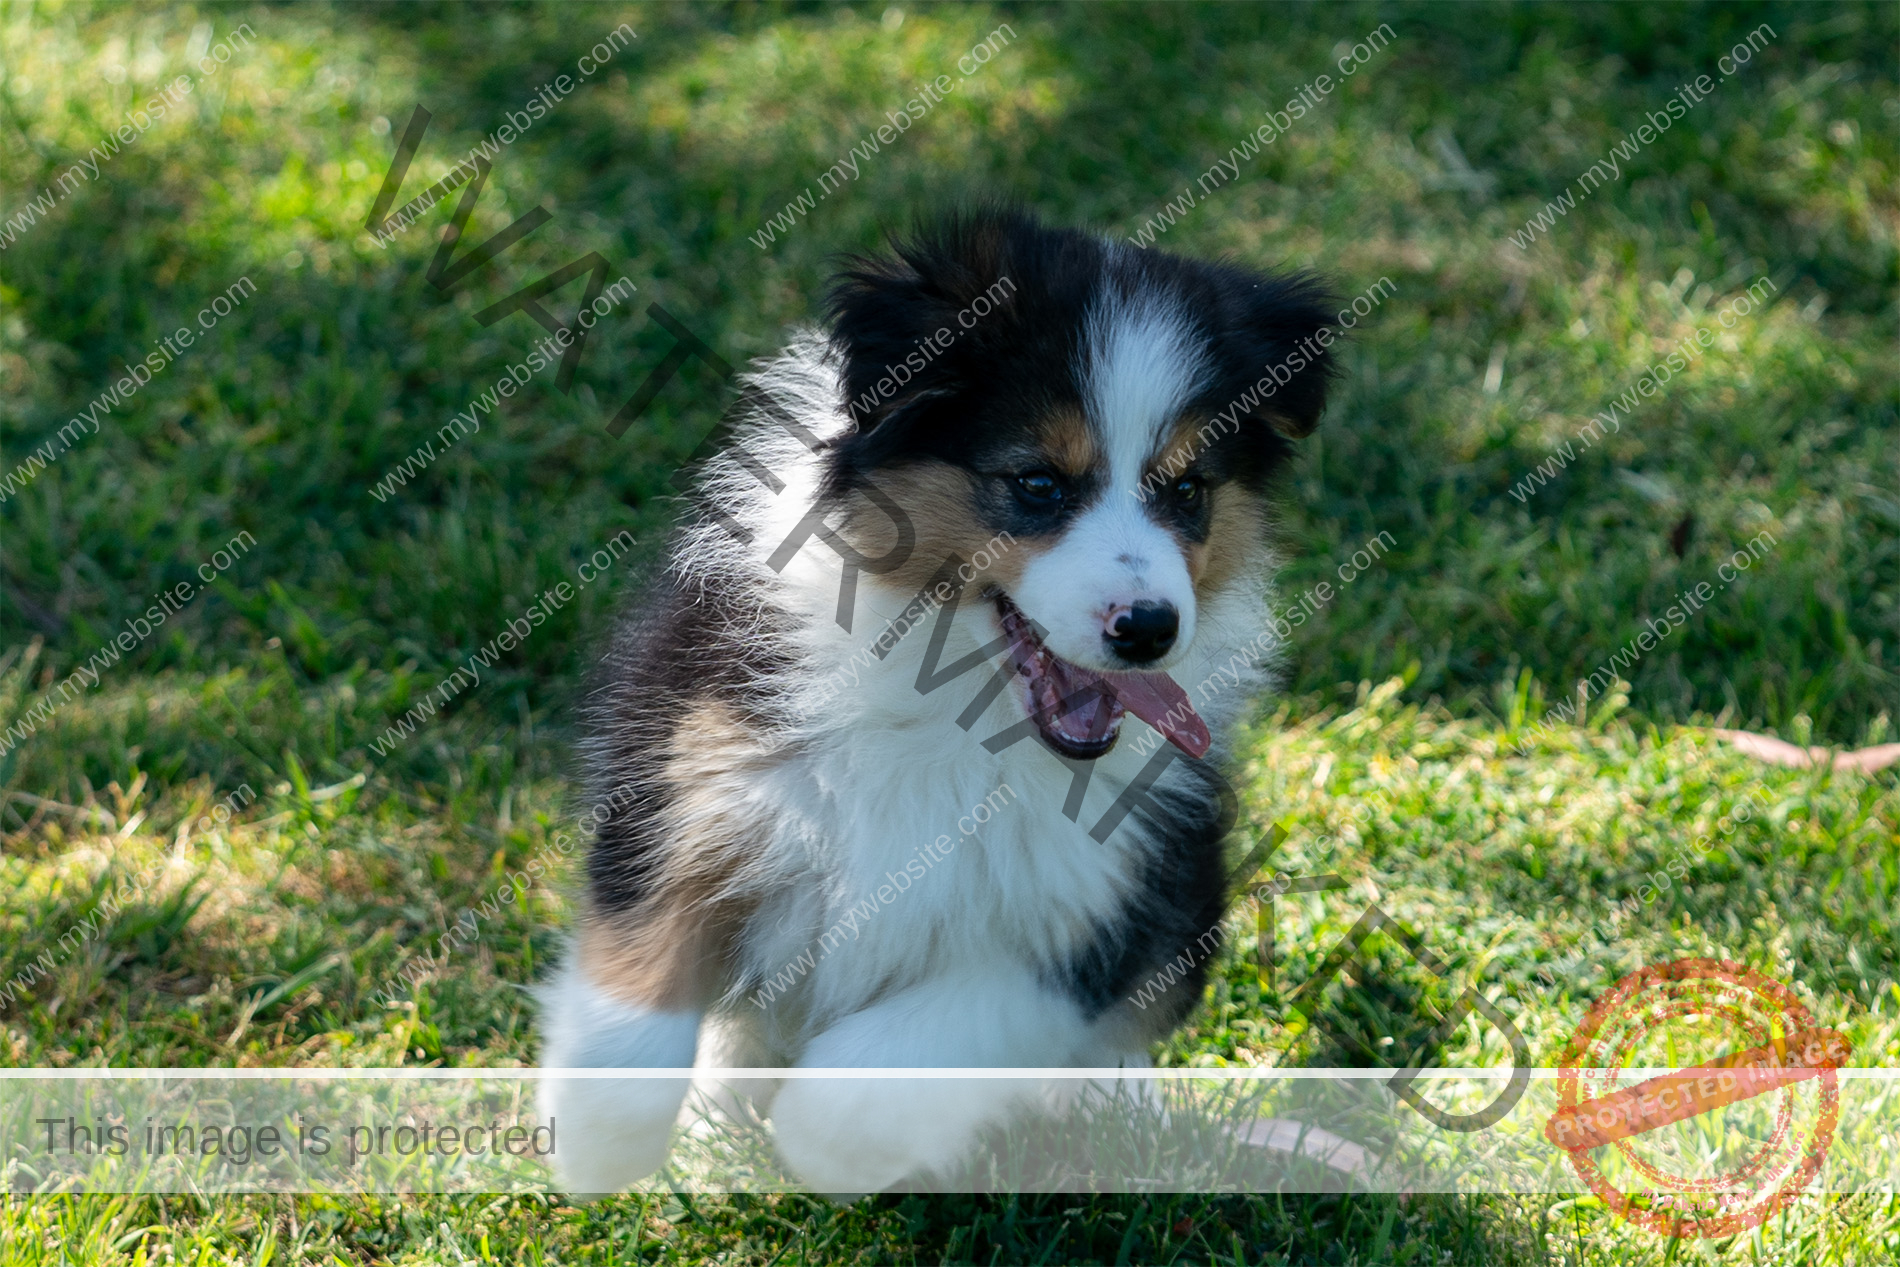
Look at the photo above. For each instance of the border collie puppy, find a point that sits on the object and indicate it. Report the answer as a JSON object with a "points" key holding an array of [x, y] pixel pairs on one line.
{"points": [[893, 765]]}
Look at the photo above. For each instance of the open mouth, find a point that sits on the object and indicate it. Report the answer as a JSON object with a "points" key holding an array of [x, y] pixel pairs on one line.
{"points": [[1079, 711]]}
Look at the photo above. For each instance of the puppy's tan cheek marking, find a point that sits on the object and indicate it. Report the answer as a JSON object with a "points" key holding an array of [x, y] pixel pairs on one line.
{"points": [[941, 505], [670, 951], [1233, 546]]}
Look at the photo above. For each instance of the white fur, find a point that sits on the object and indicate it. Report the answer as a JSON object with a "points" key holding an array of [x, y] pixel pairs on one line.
{"points": [[954, 972]]}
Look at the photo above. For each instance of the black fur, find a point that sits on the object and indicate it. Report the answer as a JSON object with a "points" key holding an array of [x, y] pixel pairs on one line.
{"points": [[1019, 363], [1180, 900]]}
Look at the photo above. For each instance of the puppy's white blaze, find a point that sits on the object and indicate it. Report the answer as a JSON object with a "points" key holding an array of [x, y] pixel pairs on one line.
{"points": [[1142, 362], [1113, 555]]}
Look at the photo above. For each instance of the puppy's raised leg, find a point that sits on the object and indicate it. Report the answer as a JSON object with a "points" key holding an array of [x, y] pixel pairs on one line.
{"points": [[852, 1134], [610, 1131]]}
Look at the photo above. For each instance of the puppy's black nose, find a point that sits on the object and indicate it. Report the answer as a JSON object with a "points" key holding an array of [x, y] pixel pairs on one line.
{"points": [[1143, 633]]}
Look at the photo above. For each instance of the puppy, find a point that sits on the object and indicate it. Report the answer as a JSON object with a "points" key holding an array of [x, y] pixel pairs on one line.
{"points": [[895, 764]]}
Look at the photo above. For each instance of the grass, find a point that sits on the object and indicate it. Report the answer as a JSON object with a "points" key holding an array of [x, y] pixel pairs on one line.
{"points": [[264, 939]]}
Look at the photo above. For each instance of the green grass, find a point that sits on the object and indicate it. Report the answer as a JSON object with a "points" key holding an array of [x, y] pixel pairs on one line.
{"points": [[261, 941]]}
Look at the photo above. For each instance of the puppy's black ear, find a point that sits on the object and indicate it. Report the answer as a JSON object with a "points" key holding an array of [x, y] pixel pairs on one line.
{"points": [[1276, 335], [894, 318]]}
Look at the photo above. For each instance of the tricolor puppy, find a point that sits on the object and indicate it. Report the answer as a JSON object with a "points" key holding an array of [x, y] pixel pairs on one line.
{"points": [[896, 764]]}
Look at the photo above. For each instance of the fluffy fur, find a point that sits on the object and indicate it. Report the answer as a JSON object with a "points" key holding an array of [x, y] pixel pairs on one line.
{"points": [[784, 727]]}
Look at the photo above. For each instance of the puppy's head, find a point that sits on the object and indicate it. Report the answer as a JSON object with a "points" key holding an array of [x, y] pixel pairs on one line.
{"points": [[1117, 413]]}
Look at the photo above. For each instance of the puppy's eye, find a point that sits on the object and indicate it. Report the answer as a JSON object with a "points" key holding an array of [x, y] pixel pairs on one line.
{"points": [[1189, 488], [1040, 488]]}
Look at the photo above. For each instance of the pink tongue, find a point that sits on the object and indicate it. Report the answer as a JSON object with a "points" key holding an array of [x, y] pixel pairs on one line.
{"points": [[1159, 701]]}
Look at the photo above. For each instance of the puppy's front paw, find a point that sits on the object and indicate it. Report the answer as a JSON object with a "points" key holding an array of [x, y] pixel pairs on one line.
{"points": [[863, 1134], [610, 1132]]}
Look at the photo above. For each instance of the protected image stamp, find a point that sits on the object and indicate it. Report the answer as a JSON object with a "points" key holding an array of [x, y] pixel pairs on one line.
{"points": [[1677, 1163]]}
